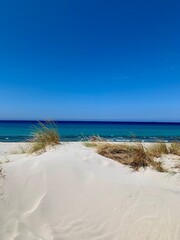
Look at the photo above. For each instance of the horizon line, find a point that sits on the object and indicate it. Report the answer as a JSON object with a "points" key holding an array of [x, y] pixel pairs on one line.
{"points": [[95, 121]]}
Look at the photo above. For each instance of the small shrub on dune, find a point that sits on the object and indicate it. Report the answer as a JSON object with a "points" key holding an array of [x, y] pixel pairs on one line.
{"points": [[175, 148], [45, 135], [157, 149]]}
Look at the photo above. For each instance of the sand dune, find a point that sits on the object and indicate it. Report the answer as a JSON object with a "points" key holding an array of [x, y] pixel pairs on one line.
{"points": [[71, 193]]}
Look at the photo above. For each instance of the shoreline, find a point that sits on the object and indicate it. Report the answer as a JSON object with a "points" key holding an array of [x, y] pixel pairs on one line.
{"points": [[153, 140], [5, 147]]}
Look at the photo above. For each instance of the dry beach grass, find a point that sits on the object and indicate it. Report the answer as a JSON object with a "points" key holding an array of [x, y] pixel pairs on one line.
{"points": [[157, 149], [134, 155], [44, 135], [175, 148]]}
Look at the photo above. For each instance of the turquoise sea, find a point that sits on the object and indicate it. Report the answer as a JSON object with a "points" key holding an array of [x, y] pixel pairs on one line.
{"points": [[17, 131]]}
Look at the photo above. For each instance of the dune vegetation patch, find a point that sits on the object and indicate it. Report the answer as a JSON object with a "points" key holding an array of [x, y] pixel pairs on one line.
{"points": [[93, 140], [157, 149], [43, 136], [133, 155], [175, 148]]}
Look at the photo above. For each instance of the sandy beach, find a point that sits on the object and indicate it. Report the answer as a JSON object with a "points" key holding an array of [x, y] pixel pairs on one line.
{"points": [[71, 192]]}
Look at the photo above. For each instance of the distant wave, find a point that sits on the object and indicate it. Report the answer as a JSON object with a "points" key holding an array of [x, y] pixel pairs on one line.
{"points": [[73, 138]]}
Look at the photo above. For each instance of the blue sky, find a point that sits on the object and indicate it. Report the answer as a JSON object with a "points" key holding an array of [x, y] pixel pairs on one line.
{"points": [[90, 60]]}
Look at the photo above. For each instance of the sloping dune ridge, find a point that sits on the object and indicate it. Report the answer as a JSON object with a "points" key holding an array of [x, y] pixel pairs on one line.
{"points": [[72, 193]]}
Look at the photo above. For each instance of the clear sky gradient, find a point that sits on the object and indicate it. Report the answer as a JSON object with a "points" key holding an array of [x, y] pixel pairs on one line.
{"points": [[90, 60]]}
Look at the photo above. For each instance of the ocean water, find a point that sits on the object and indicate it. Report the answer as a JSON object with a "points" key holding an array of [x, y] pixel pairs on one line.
{"points": [[17, 131]]}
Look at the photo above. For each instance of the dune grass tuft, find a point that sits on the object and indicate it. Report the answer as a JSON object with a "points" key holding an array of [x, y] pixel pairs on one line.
{"points": [[134, 155], [45, 135], [93, 141], [157, 149], [94, 138], [175, 148]]}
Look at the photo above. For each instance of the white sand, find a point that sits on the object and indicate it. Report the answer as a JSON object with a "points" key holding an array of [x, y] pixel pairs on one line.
{"points": [[6, 148], [71, 193]]}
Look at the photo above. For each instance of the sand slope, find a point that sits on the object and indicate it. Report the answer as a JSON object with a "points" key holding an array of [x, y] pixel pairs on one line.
{"points": [[71, 193]]}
